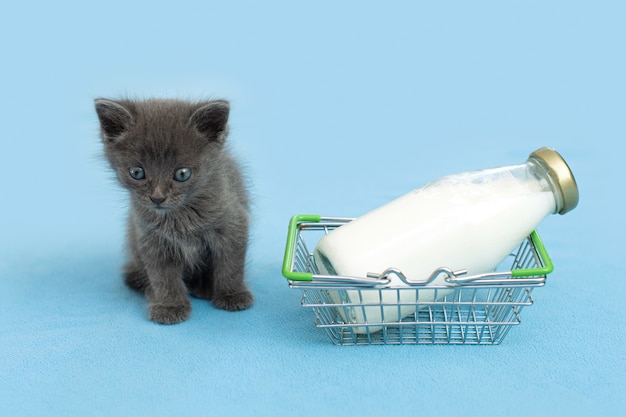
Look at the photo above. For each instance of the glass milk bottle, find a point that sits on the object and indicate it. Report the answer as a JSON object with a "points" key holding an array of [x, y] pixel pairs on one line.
{"points": [[468, 221]]}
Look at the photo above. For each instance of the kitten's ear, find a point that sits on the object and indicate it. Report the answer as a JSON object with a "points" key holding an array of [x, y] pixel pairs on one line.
{"points": [[211, 120], [115, 119]]}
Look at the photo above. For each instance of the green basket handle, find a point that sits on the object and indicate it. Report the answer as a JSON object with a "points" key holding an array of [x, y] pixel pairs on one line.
{"points": [[290, 247], [543, 256]]}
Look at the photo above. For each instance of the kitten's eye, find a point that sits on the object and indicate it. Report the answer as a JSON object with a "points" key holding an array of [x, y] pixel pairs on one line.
{"points": [[137, 173], [182, 174]]}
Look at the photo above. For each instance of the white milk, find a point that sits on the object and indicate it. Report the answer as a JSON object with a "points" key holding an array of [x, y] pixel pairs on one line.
{"points": [[468, 221]]}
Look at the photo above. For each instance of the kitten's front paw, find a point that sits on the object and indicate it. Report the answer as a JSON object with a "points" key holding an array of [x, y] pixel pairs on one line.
{"points": [[168, 314], [234, 302]]}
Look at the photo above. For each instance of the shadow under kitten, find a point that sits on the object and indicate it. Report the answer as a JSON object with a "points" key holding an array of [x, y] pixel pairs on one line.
{"points": [[189, 211]]}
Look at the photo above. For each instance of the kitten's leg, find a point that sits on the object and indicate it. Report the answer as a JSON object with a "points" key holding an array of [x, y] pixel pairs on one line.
{"points": [[167, 293], [135, 275], [151, 271], [228, 254]]}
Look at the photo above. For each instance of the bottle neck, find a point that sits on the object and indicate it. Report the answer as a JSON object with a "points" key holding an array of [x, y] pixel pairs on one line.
{"points": [[541, 171]]}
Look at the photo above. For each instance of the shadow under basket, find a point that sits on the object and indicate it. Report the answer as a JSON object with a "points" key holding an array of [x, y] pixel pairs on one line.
{"points": [[478, 309]]}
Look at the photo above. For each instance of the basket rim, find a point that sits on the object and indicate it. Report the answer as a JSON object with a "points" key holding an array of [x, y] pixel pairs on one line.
{"points": [[299, 222]]}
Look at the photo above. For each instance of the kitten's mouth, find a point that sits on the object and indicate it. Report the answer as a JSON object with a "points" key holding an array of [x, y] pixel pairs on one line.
{"points": [[160, 207]]}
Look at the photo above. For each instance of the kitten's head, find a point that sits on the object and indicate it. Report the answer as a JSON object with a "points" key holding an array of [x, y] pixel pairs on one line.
{"points": [[163, 151]]}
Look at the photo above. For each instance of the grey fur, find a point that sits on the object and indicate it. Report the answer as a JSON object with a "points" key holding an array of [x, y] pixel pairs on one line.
{"points": [[183, 237]]}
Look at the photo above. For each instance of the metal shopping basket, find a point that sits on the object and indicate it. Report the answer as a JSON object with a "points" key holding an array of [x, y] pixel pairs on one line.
{"points": [[477, 309]]}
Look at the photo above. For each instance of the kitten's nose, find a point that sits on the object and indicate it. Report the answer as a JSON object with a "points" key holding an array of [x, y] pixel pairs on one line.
{"points": [[157, 199], [157, 196]]}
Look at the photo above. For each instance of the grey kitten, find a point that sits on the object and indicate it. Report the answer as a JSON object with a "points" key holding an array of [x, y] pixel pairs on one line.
{"points": [[188, 222]]}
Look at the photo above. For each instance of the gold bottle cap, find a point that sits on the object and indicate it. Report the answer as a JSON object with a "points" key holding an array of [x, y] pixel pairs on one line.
{"points": [[561, 176]]}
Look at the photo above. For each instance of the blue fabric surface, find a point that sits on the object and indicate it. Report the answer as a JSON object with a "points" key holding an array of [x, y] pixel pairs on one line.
{"points": [[336, 109]]}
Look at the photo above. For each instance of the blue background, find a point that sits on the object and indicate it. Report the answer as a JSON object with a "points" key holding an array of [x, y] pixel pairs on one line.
{"points": [[337, 107]]}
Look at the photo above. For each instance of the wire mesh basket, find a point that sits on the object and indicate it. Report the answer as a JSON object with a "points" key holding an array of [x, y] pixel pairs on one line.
{"points": [[477, 309]]}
